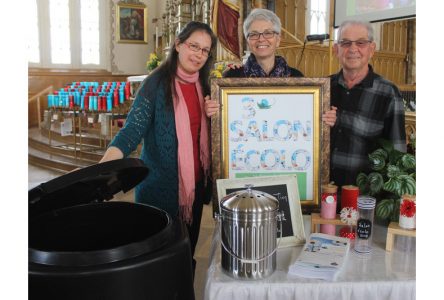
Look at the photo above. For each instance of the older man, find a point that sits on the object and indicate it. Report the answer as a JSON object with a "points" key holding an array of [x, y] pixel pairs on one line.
{"points": [[368, 106]]}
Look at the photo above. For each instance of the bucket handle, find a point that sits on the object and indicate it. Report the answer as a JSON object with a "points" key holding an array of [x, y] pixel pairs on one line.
{"points": [[280, 217]]}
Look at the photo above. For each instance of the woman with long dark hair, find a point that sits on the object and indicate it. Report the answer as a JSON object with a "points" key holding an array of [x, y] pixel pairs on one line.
{"points": [[168, 116]]}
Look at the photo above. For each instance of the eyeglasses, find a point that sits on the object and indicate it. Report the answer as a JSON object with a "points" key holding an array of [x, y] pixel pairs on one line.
{"points": [[256, 35], [358, 43], [196, 48]]}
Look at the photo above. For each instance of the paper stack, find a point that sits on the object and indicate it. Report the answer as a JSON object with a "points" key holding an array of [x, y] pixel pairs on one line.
{"points": [[322, 257]]}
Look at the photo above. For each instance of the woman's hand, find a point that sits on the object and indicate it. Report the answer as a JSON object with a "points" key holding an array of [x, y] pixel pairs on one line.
{"points": [[211, 106], [329, 117], [112, 153], [233, 66]]}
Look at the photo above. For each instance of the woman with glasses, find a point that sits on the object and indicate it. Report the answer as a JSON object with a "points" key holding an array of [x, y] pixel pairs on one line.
{"points": [[168, 116], [262, 30]]}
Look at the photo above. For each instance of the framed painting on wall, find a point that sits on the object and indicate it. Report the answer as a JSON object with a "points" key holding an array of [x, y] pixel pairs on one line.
{"points": [[131, 23], [272, 127]]}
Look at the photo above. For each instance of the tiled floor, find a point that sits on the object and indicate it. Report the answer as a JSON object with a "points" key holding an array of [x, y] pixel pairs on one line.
{"points": [[39, 175]]}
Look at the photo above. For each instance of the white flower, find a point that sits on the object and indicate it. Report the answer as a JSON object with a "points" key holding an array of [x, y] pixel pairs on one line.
{"points": [[349, 215]]}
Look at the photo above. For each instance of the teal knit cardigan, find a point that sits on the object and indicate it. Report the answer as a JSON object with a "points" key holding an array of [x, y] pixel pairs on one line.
{"points": [[151, 122]]}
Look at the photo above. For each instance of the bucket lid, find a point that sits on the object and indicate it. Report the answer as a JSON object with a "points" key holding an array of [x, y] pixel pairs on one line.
{"points": [[249, 201], [94, 183]]}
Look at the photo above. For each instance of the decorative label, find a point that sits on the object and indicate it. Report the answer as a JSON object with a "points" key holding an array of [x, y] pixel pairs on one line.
{"points": [[330, 199], [364, 229]]}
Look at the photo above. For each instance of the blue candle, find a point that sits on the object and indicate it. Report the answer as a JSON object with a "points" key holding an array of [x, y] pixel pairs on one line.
{"points": [[50, 99], [121, 96]]}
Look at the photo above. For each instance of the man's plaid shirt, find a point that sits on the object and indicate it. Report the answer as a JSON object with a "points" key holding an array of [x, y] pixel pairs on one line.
{"points": [[370, 110]]}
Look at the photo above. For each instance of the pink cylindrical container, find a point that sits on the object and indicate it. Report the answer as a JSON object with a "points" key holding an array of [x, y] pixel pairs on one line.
{"points": [[328, 207]]}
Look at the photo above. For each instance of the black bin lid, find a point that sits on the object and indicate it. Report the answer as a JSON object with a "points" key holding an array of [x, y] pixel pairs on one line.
{"points": [[94, 183]]}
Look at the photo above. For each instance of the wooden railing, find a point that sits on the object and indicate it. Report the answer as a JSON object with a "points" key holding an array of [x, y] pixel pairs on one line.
{"points": [[34, 114]]}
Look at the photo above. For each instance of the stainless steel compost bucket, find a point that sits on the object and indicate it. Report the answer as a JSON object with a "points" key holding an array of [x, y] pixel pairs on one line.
{"points": [[248, 223]]}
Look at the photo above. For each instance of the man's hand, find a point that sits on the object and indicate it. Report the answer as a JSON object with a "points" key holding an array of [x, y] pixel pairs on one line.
{"points": [[329, 117]]}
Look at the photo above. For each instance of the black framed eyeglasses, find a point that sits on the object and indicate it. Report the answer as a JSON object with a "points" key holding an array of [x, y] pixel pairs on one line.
{"points": [[195, 48], [256, 35], [358, 43]]}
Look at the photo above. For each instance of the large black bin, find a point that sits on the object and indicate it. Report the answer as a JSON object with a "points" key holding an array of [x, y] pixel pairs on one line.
{"points": [[82, 247]]}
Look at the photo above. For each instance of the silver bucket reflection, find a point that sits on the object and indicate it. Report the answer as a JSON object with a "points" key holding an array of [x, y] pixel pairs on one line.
{"points": [[248, 233]]}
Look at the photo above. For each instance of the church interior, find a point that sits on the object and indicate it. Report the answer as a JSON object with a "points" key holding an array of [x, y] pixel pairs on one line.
{"points": [[126, 40]]}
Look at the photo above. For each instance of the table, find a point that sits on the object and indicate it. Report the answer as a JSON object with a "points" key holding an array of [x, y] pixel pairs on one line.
{"points": [[380, 275]]}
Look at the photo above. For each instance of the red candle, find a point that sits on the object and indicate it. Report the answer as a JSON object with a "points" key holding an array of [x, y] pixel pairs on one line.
{"points": [[116, 98], [103, 102], [349, 196], [86, 102], [127, 91]]}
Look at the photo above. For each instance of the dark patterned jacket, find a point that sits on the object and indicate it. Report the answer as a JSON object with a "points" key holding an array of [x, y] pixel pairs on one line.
{"points": [[370, 110], [253, 69]]}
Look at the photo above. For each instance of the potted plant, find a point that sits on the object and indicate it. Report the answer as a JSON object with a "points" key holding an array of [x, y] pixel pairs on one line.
{"points": [[393, 175], [152, 62]]}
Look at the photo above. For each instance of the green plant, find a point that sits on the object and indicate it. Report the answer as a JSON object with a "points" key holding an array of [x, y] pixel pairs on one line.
{"points": [[152, 62], [218, 69], [393, 175]]}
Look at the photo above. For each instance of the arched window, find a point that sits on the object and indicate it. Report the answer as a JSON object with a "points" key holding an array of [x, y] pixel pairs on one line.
{"points": [[318, 20], [69, 34], [318, 16]]}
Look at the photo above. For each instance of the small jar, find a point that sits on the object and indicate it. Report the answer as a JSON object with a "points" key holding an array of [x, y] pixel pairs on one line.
{"points": [[329, 201], [407, 212], [364, 225]]}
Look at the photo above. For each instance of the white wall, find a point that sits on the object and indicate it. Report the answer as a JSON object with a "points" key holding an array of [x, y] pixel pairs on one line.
{"points": [[131, 58]]}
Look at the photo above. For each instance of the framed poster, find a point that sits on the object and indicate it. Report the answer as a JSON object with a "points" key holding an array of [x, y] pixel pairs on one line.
{"points": [[285, 189], [131, 23], [272, 126]]}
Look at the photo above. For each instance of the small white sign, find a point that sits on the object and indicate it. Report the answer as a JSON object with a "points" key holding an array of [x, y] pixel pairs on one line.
{"points": [[66, 127]]}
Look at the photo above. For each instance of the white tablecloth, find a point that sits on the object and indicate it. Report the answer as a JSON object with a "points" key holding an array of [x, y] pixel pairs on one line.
{"points": [[380, 275]]}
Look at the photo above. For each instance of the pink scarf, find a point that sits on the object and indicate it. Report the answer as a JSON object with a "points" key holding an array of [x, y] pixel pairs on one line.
{"points": [[185, 144]]}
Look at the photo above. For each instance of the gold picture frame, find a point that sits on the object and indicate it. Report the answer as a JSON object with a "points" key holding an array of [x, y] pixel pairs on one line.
{"points": [[285, 189], [131, 23], [271, 127]]}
